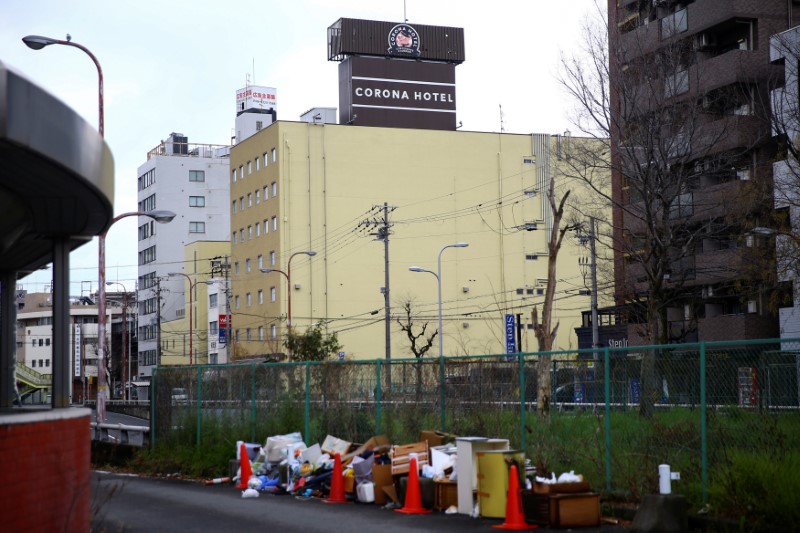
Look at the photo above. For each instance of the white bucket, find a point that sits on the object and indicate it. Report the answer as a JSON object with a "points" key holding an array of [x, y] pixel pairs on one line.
{"points": [[365, 492]]}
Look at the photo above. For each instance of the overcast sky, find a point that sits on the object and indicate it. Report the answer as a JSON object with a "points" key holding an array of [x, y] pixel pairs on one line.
{"points": [[175, 66]]}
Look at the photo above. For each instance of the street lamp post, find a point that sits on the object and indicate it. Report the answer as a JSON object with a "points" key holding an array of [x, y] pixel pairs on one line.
{"points": [[288, 276], [192, 285], [438, 275], [162, 217], [124, 334], [37, 42]]}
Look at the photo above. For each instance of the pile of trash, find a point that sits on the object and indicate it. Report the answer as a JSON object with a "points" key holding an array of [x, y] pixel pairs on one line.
{"points": [[372, 472]]}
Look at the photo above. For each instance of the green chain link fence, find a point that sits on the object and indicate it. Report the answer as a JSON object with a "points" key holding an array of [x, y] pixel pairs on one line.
{"points": [[725, 414]]}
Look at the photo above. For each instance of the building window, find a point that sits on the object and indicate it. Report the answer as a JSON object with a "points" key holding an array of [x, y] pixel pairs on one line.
{"points": [[266, 159], [266, 227], [237, 336], [258, 160], [274, 189], [531, 257], [266, 192], [147, 179], [236, 301], [148, 255], [249, 200], [261, 333], [258, 196], [241, 234], [146, 230], [676, 84], [272, 294], [260, 296], [248, 300], [233, 175], [236, 267], [197, 201], [273, 331], [274, 155], [241, 203], [213, 328], [249, 168], [197, 175], [677, 22], [258, 229], [274, 223], [212, 300], [234, 206], [148, 204], [241, 171], [197, 227], [247, 334], [272, 258], [249, 233], [260, 261], [247, 265], [233, 237]]}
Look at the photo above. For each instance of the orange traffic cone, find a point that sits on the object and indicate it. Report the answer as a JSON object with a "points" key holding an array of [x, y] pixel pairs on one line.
{"points": [[337, 483], [413, 503], [515, 518], [245, 472]]}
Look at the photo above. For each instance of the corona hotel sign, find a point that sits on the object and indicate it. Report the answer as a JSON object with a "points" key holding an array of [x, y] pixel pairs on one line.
{"points": [[396, 75]]}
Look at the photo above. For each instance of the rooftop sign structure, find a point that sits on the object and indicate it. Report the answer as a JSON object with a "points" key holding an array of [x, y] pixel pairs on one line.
{"points": [[347, 37], [396, 75]]}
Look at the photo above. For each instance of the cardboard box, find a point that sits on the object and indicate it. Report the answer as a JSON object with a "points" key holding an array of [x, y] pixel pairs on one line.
{"points": [[378, 444], [446, 494], [382, 477], [331, 445], [560, 488], [436, 438], [562, 510], [401, 459]]}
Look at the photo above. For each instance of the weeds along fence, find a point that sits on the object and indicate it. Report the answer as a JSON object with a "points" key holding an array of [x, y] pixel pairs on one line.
{"points": [[720, 413]]}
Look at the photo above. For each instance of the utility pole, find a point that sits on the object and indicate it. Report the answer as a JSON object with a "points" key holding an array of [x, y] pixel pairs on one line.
{"points": [[593, 251], [382, 228], [158, 321]]}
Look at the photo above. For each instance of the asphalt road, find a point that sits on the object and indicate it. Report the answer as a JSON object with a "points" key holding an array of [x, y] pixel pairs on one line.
{"points": [[131, 504]]}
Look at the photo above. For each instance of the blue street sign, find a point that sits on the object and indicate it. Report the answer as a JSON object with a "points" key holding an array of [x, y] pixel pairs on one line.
{"points": [[223, 338], [511, 334]]}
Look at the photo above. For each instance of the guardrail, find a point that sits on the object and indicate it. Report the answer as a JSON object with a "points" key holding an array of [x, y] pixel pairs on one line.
{"points": [[121, 434]]}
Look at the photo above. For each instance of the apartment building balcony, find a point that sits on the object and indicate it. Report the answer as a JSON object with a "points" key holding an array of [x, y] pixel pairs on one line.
{"points": [[641, 37], [731, 67], [737, 327], [718, 266]]}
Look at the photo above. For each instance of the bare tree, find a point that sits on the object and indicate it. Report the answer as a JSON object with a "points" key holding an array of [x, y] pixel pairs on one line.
{"points": [[673, 168], [420, 341]]}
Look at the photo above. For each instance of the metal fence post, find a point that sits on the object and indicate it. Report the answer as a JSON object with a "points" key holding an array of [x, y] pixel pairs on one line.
{"points": [[522, 435], [307, 415], [378, 396], [607, 389], [703, 422], [253, 417], [199, 402], [442, 394], [153, 381]]}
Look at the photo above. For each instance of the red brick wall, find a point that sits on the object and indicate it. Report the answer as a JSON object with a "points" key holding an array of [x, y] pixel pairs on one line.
{"points": [[45, 482]]}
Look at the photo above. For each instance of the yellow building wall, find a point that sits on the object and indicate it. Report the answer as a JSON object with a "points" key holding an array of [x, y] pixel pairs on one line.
{"points": [[175, 334], [443, 187]]}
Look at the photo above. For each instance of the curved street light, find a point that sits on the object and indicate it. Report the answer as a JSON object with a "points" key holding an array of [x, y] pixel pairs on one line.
{"points": [[162, 217], [438, 275], [192, 285], [288, 276], [37, 42]]}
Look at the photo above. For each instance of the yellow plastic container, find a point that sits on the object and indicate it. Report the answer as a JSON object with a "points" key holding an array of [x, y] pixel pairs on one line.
{"points": [[493, 468]]}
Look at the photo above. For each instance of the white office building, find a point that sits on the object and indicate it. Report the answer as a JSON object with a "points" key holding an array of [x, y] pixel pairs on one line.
{"points": [[191, 180]]}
